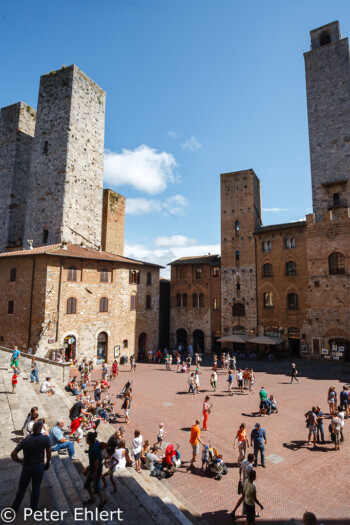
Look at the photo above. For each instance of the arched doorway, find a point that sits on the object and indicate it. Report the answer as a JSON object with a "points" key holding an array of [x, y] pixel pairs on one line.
{"points": [[181, 338], [70, 345], [102, 341], [198, 341], [142, 346]]}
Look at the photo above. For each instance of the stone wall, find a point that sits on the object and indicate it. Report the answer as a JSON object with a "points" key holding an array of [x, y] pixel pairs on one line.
{"points": [[113, 220], [65, 198], [17, 126]]}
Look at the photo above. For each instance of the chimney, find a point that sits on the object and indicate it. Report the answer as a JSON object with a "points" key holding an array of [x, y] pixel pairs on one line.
{"points": [[64, 245], [30, 244]]}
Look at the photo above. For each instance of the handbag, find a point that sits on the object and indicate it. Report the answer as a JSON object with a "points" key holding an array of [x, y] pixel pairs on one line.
{"points": [[240, 487]]}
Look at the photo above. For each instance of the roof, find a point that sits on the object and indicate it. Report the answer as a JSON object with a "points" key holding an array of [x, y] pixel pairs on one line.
{"points": [[284, 226], [265, 340], [197, 259], [234, 338], [75, 251]]}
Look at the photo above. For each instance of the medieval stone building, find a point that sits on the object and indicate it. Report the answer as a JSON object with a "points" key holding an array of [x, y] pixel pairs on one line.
{"points": [[287, 286], [64, 283]]}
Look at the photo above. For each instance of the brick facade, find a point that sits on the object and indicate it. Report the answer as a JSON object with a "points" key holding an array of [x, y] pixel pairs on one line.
{"points": [[113, 220]]}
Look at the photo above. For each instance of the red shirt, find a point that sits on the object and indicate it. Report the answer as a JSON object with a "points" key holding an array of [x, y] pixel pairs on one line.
{"points": [[14, 379]]}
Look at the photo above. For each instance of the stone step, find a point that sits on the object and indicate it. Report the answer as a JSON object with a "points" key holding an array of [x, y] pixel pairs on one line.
{"points": [[58, 497]]}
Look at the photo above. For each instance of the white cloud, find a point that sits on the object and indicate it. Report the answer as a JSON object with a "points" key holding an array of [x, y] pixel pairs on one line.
{"points": [[144, 168], [174, 240], [172, 134], [165, 256], [192, 144], [275, 210], [175, 205]]}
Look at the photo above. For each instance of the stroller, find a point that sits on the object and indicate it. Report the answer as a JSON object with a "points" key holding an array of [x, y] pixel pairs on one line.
{"points": [[127, 385], [216, 467], [171, 462]]}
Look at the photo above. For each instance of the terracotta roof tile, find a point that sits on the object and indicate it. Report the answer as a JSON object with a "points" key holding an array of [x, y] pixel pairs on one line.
{"points": [[197, 259]]}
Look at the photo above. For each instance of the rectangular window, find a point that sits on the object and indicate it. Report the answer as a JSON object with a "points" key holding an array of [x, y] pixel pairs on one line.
{"points": [[45, 236], [198, 273], [215, 304], [45, 147], [13, 274], [11, 307], [133, 302], [216, 271], [148, 302]]}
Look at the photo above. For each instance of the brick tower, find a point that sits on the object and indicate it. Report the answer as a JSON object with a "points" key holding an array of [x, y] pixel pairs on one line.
{"points": [[327, 71], [113, 220], [65, 197], [240, 216], [17, 126]]}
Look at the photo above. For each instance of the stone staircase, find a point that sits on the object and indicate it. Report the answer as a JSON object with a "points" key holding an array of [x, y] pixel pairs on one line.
{"points": [[139, 498]]}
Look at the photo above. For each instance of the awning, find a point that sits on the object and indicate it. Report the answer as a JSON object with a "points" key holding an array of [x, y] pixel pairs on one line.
{"points": [[265, 340], [234, 338]]}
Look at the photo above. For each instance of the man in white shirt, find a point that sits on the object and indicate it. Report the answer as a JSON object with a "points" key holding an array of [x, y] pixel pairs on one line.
{"points": [[47, 388], [239, 377]]}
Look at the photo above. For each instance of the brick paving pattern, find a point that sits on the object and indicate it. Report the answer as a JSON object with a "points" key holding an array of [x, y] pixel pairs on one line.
{"points": [[305, 479]]}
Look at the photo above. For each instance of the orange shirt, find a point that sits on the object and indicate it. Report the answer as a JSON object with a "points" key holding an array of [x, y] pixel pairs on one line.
{"points": [[195, 434], [242, 434]]}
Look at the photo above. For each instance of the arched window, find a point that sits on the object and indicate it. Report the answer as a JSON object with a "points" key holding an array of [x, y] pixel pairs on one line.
{"points": [[267, 298], [292, 301], [238, 310], [291, 268], [201, 300], [289, 243], [237, 257], [238, 287], [149, 278], [134, 277], [267, 270], [325, 39], [266, 246], [72, 305], [104, 304], [125, 343], [336, 199], [336, 262], [237, 226], [104, 275], [184, 300], [72, 273], [148, 302], [194, 300], [133, 301], [181, 338]]}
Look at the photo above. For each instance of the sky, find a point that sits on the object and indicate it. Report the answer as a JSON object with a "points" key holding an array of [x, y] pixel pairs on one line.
{"points": [[194, 88]]}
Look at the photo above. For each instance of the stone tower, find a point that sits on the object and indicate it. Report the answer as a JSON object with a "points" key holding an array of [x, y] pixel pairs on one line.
{"points": [[113, 220], [240, 216], [65, 197], [327, 71], [17, 126]]}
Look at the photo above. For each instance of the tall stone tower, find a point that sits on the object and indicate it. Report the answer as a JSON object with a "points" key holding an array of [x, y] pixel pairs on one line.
{"points": [[327, 71], [113, 220], [17, 125], [240, 216], [65, 197]]}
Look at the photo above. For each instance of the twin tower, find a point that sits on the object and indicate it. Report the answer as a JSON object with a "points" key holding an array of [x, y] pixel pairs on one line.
{"points": [[51, 168]]}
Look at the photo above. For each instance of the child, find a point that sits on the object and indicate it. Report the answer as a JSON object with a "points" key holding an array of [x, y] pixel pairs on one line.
{"points": [[136, 449], [205, 457], [160, 435], [14, 382], [230, 383], [213, 379], [110, 463]]}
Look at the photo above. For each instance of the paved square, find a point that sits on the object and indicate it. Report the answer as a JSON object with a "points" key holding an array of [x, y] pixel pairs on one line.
{"points": [[297, 478]]}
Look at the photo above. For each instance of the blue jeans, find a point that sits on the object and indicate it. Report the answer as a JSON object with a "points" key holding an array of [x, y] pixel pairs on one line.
{"points": [[34, 375], [67, 444], [320, 433], [35, 474], [260, 448]]}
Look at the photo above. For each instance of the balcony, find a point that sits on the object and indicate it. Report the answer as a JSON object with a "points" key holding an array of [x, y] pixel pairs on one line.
{"points": [[337, 203]]}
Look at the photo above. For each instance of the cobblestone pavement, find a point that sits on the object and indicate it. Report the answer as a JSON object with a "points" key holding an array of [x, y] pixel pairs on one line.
{"points": [[298, 479]]}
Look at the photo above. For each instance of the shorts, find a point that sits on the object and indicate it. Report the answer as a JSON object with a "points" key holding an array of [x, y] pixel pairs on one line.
{"points": [[95, 482], [195, 449], [127, 412], [263, 404], [312, 430], [159, 439], [250, 510], [14, 362], [137, 456], [344, 404], [110, 471], [240, 382]]}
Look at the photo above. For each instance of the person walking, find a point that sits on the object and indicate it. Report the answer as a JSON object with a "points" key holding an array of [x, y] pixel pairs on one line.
{"points": [[341, 415], [114, 370], [213, 380], [136, 449], [230, 383], [15, 360], [196, 381], [191, 384], [336, 428], [206, 412], [294, 374], [332, 400], [178, 360], [93, 472], [311, 424], [127, 403], [258, 437], [251, 381], [320, 429], [249, 498], [58, 441], [34, 448], [242, 441], [263, 401], [239, 377], [195, 438], [344, 400], [34, 374]]}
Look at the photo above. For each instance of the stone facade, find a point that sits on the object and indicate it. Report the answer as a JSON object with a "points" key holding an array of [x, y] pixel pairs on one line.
{"points": [[43, 320], [65, 196], [195, 302], [113, 220], [327, 70], [17, 126], [240, 216]]}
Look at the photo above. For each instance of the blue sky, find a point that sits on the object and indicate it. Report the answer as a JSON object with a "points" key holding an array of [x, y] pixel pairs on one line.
{"points": [[194, 88]]}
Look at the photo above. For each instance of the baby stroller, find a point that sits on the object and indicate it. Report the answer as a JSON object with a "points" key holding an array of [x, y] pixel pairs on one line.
{"points": [[127, 385], [171, 462], [216, 467]]}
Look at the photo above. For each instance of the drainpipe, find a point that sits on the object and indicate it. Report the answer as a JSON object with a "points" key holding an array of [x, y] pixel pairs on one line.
{"points": [[31, 302], [58, 301]]}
